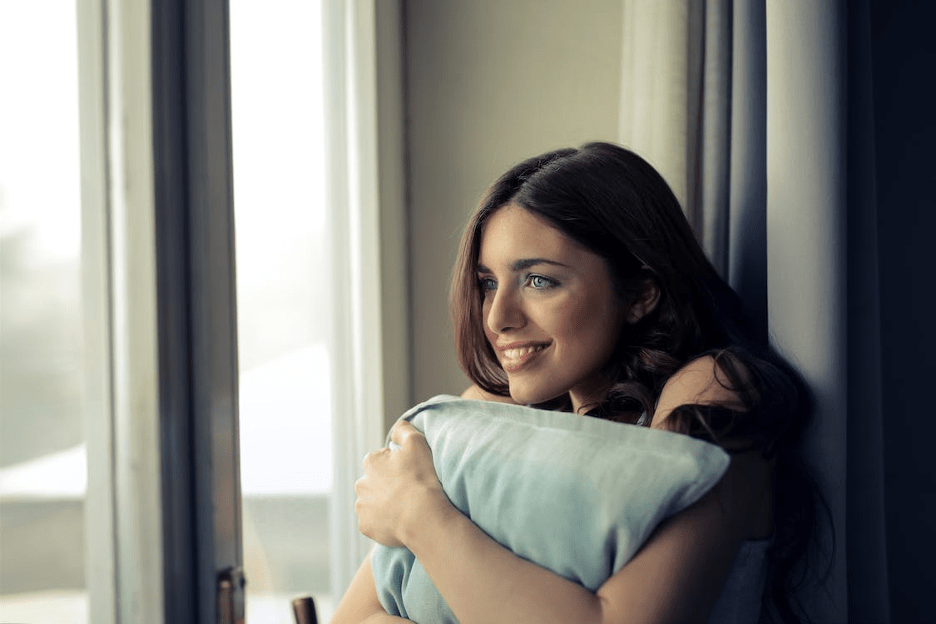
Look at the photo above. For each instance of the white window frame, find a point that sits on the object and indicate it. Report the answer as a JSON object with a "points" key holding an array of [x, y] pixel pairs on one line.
{"points": [[365, 194], [158, 288], [163, 507]]}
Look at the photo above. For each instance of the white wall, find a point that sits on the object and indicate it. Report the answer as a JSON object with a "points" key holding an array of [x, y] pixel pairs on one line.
{"points": [[489, 83]]}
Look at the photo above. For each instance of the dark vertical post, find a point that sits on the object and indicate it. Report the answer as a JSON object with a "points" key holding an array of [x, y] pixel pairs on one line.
{"points": [[197, 308]]}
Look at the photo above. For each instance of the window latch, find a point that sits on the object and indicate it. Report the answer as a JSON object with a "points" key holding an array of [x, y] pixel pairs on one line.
{"points": [[231, 596]]}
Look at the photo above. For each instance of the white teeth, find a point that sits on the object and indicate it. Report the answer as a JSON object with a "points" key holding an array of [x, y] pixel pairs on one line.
{"points": [[513, 354]]}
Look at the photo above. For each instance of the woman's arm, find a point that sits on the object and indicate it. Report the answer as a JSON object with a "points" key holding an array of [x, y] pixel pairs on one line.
{"points": [[675, 577], [360, 604]]}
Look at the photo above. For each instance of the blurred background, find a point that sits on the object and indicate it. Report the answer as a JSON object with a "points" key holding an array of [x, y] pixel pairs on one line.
{"points": [[462, 91], [43, 476]]}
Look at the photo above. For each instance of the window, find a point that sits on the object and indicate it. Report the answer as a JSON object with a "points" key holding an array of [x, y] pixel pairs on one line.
{"points": [[117, 433], [309, 297], [284, 303], [43, 476]]}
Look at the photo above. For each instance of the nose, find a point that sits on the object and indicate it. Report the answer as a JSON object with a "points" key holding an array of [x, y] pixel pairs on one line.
{"points": [[504, 312]]}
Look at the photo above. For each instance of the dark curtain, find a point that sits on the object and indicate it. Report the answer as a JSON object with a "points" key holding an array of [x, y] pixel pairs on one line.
{"points": [[804, 155], [900, 69]]}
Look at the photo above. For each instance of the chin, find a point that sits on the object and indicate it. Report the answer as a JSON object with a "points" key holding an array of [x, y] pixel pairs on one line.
{"points": [[523, 398], [526, 397]]}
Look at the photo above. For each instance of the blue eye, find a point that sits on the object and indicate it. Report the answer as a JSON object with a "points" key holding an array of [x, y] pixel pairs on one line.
{"points": [[538, 282], [487, 284]]}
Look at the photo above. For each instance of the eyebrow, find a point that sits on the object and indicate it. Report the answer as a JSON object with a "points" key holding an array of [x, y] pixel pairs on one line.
{"points": [[526, 263]]}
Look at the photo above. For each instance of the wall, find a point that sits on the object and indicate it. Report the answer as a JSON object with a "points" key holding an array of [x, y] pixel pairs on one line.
{"points": [[489, 83]]}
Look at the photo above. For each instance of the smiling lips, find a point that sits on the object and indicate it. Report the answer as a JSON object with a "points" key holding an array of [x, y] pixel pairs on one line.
{"points": [[514, 356]]}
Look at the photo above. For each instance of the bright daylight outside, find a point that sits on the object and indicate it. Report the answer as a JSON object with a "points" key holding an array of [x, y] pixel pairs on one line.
{"points": [[43, 475], [283, 289], [283, 286]]}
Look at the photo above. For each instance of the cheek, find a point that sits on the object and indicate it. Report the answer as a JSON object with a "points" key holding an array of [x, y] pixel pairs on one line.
{"points": [[577, 316], [593, 327]]}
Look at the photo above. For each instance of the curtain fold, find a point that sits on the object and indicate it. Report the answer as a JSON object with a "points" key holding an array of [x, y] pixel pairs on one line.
{"points": [[708, 200], [764, 132], [655, 92], [866, 539], [747, 201], [679, 108], [806, 243]]}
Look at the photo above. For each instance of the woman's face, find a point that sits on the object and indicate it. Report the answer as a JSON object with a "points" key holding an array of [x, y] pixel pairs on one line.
{"points": [[549, 308]]}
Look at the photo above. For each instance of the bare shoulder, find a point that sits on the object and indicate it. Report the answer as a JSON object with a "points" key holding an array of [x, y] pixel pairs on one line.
{"points": [[476, 393], [746, 485], [700, 382]]}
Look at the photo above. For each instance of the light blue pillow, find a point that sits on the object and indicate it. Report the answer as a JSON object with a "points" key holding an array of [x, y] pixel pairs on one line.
{"points": [[574, 494]]}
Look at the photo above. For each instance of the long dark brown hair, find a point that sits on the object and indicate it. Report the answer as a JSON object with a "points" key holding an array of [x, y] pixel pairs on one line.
{"points": [[613, 202]]}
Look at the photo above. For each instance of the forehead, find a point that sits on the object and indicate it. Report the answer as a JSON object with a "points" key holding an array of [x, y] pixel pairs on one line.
{"points": [[514, 233]]}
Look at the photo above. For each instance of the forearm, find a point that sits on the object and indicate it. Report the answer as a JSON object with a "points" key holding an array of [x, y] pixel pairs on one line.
{"points": [[377, 616], [483, 582], [360, 604], [384, 618]]}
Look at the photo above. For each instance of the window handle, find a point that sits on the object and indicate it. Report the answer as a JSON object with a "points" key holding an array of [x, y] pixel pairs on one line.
{"points": [[304, 610], [231, 596]]}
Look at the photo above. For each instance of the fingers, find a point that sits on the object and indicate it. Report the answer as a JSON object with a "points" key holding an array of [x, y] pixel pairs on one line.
{"points": [[373, 456], [403, 431]]}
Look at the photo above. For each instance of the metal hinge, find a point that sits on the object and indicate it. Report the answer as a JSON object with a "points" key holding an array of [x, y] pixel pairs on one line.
{"points": [[231, 584]]}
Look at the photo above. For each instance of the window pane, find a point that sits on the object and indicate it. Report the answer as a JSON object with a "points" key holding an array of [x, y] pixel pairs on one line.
{"points": [[283, 286], [43, 474]]}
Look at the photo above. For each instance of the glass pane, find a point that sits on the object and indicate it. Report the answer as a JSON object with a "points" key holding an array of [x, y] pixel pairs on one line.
{"points": [[43, 474], [282, 302]]}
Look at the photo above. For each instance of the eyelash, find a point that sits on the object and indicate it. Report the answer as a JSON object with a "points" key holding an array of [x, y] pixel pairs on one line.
{"points": [[488, 284], [548, 283]]}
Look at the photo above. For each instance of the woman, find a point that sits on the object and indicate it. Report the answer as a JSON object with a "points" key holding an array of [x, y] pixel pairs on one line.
{"points": [[579, 286]]}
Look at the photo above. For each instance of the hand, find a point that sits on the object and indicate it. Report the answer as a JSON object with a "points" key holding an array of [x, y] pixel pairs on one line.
{"points": [[399, 486]]}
